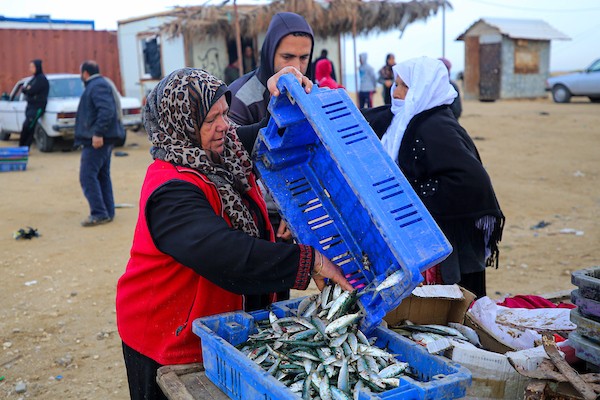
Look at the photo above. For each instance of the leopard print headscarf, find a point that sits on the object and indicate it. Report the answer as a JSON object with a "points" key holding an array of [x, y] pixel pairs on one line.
{"points": [[174, 112]]}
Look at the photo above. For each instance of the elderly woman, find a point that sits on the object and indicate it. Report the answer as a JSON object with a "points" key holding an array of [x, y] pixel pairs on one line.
{"points": [[203, 238], [441, 162]]}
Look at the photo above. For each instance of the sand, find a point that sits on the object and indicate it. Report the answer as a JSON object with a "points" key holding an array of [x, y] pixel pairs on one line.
{"points": [[57, 315]]}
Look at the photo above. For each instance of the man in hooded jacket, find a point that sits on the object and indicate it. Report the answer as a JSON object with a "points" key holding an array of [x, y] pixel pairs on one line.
{"points": [[36, 93], [289, 41]]}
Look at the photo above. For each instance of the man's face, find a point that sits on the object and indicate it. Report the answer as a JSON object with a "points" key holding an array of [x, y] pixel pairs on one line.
{"points": [[32, 68], [293, 51]]}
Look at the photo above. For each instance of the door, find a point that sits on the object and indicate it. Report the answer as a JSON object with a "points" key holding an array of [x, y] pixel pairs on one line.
{"points": [[489, 71]]}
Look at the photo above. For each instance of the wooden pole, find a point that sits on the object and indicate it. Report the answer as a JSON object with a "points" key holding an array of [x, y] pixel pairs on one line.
{"points": [[354, 51], [238, 39]]}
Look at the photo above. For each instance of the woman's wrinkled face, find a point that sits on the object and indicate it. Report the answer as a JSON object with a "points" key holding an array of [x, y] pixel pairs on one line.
{"points": [[214, 128], [401, 89]]}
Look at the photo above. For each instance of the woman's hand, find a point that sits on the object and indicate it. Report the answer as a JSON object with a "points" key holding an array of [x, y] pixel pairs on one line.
{"points": [[272, 82], [328, 270]]}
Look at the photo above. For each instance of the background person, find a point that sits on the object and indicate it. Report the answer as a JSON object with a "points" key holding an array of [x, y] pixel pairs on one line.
{"points": [[441, 162], [232, 72], [367, 82], [456, 105], [203, 238], [323, 75], [386, 78], [248, 60], [323, 56], [97, 128], [36, 94]]}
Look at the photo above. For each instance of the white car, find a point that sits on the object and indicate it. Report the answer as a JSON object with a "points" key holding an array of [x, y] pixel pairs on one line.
{"points": [[59, 119], [585, 83]]}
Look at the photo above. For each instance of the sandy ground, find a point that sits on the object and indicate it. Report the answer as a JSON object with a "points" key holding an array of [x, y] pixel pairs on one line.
{"points": [[57, 314]]}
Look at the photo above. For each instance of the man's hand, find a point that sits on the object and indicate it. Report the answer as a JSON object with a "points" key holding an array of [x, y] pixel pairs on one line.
{"points": [[272, 82], [283, 232], [97, 142]]}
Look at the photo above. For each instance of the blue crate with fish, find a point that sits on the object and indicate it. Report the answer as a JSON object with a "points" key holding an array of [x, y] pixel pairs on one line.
{"points": [[340, 192], [417, 374], [13, 158]]}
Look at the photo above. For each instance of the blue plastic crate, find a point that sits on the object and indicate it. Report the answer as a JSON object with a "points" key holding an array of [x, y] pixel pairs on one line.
{"points": [[13, 158], [240, 378], [341, 193]]}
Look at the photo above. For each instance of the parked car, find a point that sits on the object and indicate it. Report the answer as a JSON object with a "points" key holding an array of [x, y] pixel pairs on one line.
{"points": [[585, 83], [59, 119]]}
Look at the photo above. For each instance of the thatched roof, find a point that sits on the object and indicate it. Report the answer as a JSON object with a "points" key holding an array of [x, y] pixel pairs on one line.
{"points": [[326, 17]]}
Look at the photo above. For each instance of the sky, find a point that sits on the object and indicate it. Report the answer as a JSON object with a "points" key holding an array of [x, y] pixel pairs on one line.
{"points": [[578, 19]]}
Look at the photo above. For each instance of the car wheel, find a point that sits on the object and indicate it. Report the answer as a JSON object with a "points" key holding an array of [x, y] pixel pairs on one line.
{"points": [[43, 142], [560, 94], [121, 141], [595, 99]]}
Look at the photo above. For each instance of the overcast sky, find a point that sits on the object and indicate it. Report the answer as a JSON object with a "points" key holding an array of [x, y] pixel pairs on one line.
{"points": [[578, 19]]}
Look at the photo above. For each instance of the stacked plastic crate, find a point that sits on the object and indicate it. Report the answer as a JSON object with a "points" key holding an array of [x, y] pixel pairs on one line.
{"points": [[340, 193], [13, 158], [586, 338]]}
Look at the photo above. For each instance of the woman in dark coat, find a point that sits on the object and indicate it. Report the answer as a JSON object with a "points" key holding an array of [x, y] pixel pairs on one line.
{"points": [[441, 162]]}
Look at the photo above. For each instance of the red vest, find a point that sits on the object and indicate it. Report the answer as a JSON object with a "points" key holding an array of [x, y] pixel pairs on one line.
{"points": [[159, 298]]}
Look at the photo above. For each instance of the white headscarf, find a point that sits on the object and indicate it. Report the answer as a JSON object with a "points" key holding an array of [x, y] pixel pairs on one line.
{"points": [[428, 87]]}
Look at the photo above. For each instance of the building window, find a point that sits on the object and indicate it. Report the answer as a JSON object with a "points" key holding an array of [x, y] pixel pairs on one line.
{"points": [[527, 57], [151, 55]]}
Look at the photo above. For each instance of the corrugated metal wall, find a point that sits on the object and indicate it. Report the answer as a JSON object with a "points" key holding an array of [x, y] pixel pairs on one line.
{"points": [[62, 51]]}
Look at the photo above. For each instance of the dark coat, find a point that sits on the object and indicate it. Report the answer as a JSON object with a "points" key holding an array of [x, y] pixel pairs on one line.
{"points": [[442, 164], [97, 113], [37, 89], [250, 96]]}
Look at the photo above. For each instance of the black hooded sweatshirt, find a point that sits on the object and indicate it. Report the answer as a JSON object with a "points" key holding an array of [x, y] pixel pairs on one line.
{"points": [[250, 96], [36, 90]]}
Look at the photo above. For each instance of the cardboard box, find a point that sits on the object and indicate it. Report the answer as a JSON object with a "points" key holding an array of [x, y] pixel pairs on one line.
{"points": [[493, 376], [433, 304], [488, 340]]}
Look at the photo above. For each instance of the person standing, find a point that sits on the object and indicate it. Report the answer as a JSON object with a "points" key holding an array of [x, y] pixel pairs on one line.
{"points": [[386, 78], [323, 75], [36, 94], [442, 163], [456, 105], [248, 61], [97, 128], [367, 82], [288, 41], [323, 56], [232, 72]]}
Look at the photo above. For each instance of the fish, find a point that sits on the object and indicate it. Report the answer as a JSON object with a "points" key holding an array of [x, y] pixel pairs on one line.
{"points": [[390, 281]]}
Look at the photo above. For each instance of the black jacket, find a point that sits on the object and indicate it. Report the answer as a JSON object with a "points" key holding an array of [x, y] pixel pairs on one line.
{"points": [[37, 89], [97, 113]]}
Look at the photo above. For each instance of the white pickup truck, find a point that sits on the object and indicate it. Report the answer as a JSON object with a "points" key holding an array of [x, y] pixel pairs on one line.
{"points": [[59, 119]]}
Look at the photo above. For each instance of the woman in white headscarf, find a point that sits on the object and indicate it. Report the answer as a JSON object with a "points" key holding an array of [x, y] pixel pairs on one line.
{"points": [[441, 162]]}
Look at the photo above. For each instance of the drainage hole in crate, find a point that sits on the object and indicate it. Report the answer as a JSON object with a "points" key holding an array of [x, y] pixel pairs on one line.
{"points": [[347, 128], [351, 134], [356, 140], [404, 225], [385, 189], [340, 116], [384, 181], [336, 110], [332, 104], [309, 202], [392, 195]]}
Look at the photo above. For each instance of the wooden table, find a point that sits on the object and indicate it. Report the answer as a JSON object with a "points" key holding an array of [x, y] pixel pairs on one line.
{"points": [[187, 382]]}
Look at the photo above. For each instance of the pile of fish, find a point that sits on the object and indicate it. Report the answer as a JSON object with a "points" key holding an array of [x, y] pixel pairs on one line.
{"points": [[321, 353]]}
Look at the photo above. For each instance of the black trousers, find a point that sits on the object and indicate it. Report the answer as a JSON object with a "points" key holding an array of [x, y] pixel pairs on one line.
{"points": [[32, 114], [141, 376]]}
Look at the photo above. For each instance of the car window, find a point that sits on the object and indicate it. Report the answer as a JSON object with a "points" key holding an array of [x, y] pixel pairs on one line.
{"points": [[66, 87], [16, 93], [595, 67]]}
